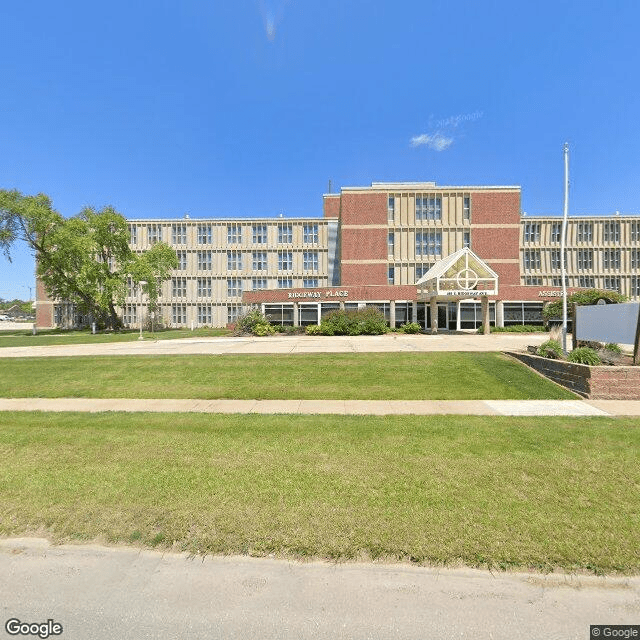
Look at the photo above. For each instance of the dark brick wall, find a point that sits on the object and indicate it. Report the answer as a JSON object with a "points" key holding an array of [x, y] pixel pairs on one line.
{"points": [[495, 207], [356, 293], [331, 206], [364, 208], [496, 243], [361, 274], [364, 244]]}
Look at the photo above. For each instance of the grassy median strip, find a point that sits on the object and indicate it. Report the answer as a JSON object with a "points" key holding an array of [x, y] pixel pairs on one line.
{"points": [[365, 376], [500, 492], [24, 337]]}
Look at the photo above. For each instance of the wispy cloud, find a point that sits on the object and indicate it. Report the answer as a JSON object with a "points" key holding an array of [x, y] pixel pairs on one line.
{"points": [[272, 11], [436, 141]]}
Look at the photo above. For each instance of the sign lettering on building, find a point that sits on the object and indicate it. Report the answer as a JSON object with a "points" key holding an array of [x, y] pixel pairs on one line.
{"points": [[550, 294], [318, 294]]}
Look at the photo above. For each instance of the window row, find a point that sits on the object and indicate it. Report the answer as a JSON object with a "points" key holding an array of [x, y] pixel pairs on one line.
{"points": [[428, 207], [257, 260], [584, 259], [204, 233]]}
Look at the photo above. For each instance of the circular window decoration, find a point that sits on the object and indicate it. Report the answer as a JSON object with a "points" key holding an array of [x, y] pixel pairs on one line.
{"points": [[467, 279]]}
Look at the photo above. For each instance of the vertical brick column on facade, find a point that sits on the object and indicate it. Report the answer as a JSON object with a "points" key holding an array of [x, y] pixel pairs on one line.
{"points": [[44, 307], [495, 230], [364, 231], [331, 205]]}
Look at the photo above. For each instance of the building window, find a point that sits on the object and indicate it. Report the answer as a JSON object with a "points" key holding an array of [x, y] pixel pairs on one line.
{"points": [[234, 234], [204, 287], [391, 243], [466, 239], [182, 259], [285, 261], [635, 231], [587, 282], [391, 275], [555, 259], [234, 261], [635, 258], [258, 283], [310, 233], [421, 269], [204, 314], [310, 260], [611, 231], [391, 204], [179, 287], [233, 312], [234, 287], [533, 281], [532, 260], [285, 283], [285, 233], [611, 259], [310, 283], [585, 231], [556, 281], [612, 283], [532, 232], [428, 243], [259, 233], [154, 233], [556, 232], [133, 234], [205, 234], [466, 208], [428, 207], [259, 260], [204, 260], [130, 315], [179, 313], [635, 286], [178, 234], [585, 259]]}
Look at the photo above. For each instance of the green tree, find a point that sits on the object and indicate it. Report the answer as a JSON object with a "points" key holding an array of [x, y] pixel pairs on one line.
{"points": [[84, 259], [153, 267], [583, 297]]}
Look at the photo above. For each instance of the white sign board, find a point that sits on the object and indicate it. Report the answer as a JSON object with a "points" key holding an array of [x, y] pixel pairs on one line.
{"points": [[608, 323]]}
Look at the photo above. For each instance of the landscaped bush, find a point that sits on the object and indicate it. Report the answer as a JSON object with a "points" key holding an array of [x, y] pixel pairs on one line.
{"points": [[254, 322], [613, 347], [515, 328], [368, 321], [584, 355], [550, 349], [313, 330], [410, 327], [586, 297]]}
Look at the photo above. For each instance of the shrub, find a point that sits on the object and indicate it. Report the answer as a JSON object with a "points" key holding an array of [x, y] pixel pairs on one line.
{"points": [[313, 330], [352, 323], [279, 328], [586, 297], [515, 328], [550, 349], [253, 322], [410, 327], [613, 347], [584, 355]]}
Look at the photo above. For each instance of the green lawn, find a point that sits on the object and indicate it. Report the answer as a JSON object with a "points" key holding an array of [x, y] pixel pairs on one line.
{"points": [[366, 376], [24, 338], [538, 493]]}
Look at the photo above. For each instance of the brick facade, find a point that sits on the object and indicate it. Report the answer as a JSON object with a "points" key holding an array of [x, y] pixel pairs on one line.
{"points": [[363, 208], [334, 294], [331, 205], [495, 207]]}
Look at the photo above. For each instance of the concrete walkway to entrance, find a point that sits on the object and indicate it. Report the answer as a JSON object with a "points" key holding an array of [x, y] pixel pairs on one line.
{"points": [[339, 407], [391, 342]]}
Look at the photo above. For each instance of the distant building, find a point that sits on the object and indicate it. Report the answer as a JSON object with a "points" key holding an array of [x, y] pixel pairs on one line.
{"points": [[375, 246]]}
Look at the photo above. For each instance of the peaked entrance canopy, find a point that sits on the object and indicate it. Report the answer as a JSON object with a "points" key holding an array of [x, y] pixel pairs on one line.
{"points": [[461, 274]]}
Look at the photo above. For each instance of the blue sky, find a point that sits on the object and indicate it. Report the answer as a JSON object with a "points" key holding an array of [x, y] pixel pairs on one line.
{"points": [[248, 108]]}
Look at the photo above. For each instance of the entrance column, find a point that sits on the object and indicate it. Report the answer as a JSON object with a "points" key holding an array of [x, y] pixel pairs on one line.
{"points": [[414, 317], [392, 314], [434, 314], [458, 320], [296, 318], [262, 308], [499, 313], [319, 313], [486, 329]]}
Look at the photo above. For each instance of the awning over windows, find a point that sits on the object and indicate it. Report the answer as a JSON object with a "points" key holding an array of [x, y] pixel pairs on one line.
{"points": [[461, 275]]}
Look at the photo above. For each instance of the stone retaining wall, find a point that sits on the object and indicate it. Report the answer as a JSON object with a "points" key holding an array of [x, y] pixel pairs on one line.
{"points": [[602, 382]]}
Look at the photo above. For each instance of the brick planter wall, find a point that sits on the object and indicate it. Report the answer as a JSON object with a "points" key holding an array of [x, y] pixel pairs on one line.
{"points": [[596, 383]]}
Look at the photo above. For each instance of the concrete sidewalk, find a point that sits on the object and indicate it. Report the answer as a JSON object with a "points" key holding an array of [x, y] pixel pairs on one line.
{"points": [[338, 407]]}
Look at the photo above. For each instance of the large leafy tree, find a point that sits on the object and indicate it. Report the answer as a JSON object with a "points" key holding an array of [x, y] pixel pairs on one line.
{"points": [[85, 259]]}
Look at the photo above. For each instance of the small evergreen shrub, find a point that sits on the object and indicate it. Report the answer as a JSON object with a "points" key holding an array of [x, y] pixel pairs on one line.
{"points": [[410, 327], [313, 330], [550, 349], [368, 321], [255, 323], [584, 355], [613, 347], [515, 328]]}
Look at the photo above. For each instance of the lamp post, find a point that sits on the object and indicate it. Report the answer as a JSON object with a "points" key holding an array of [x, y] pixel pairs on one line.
{"points": [[140, 285], [563, 247]]}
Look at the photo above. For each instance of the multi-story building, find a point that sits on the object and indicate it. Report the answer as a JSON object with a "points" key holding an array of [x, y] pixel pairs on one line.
{"points": [[376, 246]]}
